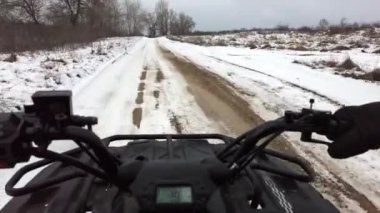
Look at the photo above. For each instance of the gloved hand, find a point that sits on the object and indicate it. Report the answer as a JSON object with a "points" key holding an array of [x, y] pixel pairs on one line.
{"points": [[363, 134]]}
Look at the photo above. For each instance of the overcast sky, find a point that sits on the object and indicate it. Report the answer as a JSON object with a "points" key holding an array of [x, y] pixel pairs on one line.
{"points": [[235, 14]]}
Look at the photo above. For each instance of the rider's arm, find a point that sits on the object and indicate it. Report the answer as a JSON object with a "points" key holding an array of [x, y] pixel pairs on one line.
{"points": [[364, 133]]}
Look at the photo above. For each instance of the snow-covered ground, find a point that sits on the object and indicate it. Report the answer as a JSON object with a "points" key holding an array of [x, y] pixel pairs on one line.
{"points": [[111, 94], [132, 88], [273, 83], [60, 69], [22, 78], [315, 49], [366, 39]]}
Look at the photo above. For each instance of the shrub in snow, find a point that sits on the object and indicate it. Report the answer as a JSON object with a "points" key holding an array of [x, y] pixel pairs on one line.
{"points": [[376, 51], [11, 58], [100, 51], [348, 64], [299, 48], [48, 65], [374, 75], [266, 46], [221, 42], [341, 47], [251, 45], [330, 63]]}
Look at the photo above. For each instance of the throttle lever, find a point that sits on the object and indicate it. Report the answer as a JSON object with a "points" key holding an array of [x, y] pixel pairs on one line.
{"points": [[307, 137]]}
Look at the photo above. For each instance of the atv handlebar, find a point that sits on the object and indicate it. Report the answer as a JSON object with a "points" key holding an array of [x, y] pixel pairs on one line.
{"points": [[307, 122], [50, 118]]}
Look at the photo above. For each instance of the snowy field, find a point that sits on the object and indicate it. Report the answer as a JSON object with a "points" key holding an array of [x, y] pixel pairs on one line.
{"points": [[60, 69], [367, 40], [318, 50], [273, 83]]}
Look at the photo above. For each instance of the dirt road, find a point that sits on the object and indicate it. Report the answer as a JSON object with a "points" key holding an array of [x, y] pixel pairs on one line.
{"points": [[222, 103]]}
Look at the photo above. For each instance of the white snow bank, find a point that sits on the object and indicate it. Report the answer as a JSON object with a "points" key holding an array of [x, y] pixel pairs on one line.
{"points": [[30, 73], [43, 70]]}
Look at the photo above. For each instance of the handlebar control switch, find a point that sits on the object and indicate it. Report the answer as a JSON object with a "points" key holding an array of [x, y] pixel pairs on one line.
{"points": [[12, 148], [53, 107]]}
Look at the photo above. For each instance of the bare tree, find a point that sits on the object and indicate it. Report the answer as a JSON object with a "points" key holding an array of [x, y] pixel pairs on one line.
{"points": [[149, 20], [173, 22], [134, 17], [31, 8], [162, 16], [323, 24], [62, 10], [4, 10], [185, 24], [343, 22], [74, 8]]}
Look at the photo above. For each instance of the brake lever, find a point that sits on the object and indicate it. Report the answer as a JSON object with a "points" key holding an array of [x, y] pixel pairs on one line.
{"points": [[307, 137]]}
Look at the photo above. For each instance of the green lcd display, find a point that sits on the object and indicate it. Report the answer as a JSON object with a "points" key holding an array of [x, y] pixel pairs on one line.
{"points": [[174, 195]]}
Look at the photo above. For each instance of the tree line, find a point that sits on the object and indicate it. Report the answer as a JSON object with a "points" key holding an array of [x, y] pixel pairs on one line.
{"points": [[48, 23], [162, 21], [344, 26]]}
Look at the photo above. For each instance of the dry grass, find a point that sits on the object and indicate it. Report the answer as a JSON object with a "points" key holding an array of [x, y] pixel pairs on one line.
{"points": [[340, 47], [221, 42], [299, 48], [11, 58], [373, 76], [330, 63], [252, 45], [17, 37]]}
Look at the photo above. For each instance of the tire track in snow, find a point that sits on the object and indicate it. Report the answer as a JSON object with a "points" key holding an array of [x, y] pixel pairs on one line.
{"points": [[148, 99], [137, 111], [279, 79]]}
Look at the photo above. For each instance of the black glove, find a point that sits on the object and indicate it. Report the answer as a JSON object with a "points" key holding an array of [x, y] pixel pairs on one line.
{"points": [[363, 134]]}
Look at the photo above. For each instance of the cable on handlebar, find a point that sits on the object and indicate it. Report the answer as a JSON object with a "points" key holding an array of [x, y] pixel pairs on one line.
{"points": [[69, 161], [256, 134], [11, 191], [244, 161], [308, 177], [87, 151], [226, 152], [9, 187], [107, 162]]}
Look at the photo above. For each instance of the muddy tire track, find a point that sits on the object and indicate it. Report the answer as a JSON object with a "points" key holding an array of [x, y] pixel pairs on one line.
{"points": [[174, 121], [148, 88], [156, 93], [140, 97], [141, 86], [143, 75], [138, 111], [137, 116], [219, 101], [159, 76]]}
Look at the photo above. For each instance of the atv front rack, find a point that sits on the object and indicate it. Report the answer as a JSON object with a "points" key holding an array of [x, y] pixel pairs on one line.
{"points": [[167, 137]]}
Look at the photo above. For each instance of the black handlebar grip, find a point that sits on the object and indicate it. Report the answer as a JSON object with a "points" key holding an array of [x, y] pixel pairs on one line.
{"points": [[83, 120], [12, 148]]}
